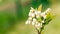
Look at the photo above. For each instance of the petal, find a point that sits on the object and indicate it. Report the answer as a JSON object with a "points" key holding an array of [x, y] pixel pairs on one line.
{"points": [[33, 15], [33, 23], [34, 20], [37, 16], [42, 21], [27, 22], [30, 14], [30, 18], [48, 10]]}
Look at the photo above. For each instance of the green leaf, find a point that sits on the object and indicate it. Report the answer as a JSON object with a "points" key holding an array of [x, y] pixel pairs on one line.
{"points": [[49, 18], [40, 8]]}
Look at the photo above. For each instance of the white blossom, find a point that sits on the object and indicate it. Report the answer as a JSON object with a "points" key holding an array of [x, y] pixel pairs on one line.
{"points": [[41, 25], [30, 14], [27, 22], [34, 20], [33, 15], [37, 25], [33, 23], [30, 18], [39, 12], [36, 13], [43, 15], [48, 10], [37, 16], [32, 10], [42, 21]]}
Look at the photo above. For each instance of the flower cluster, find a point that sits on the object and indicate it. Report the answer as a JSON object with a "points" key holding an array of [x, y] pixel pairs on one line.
{"points": [[37, 18]]}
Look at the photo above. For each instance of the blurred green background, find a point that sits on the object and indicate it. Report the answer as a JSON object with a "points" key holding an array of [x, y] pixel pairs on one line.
{"points": [[14, 13]]}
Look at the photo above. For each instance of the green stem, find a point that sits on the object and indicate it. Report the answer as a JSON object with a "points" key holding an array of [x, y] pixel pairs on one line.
{"points": [[38, 31]]}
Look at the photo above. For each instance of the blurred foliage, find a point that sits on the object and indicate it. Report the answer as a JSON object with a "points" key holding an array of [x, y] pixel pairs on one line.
{"points": [[6, 21]]}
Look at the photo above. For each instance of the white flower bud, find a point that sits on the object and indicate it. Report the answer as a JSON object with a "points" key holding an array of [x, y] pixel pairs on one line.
{"points": [[41, 25], [36, 13], [31, 11], [34, 20], [44, 15], [37, 25], [30, 14], [30, 18], [37, 16], [33, 23], [48, 10], [39, 12], [33, 15], [43, 21], [32, 8], [27, 22]]}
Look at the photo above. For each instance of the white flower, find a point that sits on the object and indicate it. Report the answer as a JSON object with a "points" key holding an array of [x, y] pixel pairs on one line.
{"points": [[36, 12], [37, 25], [33, 23], [42, 21], [27, 22], [48, 10], [30, 14], [39, 12], [30, 18], [33, 15], [43, 15], [37, 16], [32, 10], [41, 25], [34, 20]]}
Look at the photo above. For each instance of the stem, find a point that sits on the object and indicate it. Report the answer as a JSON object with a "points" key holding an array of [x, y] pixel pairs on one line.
{"points": [[38, 31]]}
